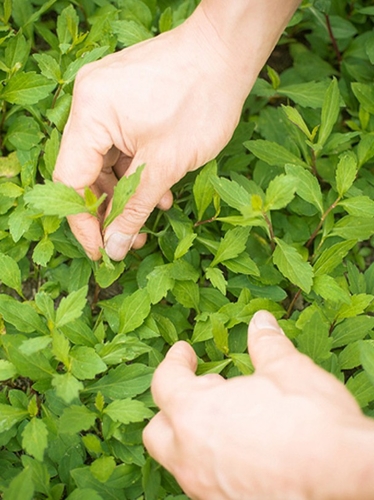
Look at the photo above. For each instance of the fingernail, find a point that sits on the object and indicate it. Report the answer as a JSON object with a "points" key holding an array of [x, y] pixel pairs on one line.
{"points": [[263, 320], [118, 244]]}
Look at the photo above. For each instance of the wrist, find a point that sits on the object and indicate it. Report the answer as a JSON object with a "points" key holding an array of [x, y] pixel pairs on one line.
{"points": [[246, 31]]}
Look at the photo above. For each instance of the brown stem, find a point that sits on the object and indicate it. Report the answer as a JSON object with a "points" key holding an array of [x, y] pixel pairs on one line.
{"points": [[55, 97], [293, 301], [201, 222], [333, 39], [323, 218]]}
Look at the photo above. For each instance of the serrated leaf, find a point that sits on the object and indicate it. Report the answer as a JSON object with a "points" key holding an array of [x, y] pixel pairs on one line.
{"points": [[10, 190], [203, 189], [315, 340], [295, 117], [67, 387], [75, 419], [159, 283], [243, 363], [216, 277], [358, 206], [187, 293], [365, 95], [106, 276], [43, 252], [55, 198], [220, 333], [130, 32], [9, 165], [71, 307], [367, 358], [362, 388], [36, 344], [7, 370], [21, 486], [102, 468], [332, 257], [184, 245], [330, 112], [166, 328], [133, 311], [35, 438], [49, 67], [231, 245], [128, 410], [123, 191], [27, 88], [292, 266], [328, 288], [360, 228], [307, 186], [280, 192], [272, 153], [231, 193], [88, 57], [10, 416], [357, 305], [86, 363], [346, 172], [10, 273]]}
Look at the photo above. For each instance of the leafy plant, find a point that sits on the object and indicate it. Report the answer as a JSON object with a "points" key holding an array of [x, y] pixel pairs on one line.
{"points": [[283, 220]]}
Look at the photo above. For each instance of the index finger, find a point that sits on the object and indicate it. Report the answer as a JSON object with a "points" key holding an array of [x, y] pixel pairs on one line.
{"points": [[173, 376]]}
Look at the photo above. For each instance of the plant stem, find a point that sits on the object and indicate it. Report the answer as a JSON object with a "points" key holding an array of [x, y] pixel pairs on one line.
{"points": [[333, 39], [323, 218], [271, 231], [293, 301]]}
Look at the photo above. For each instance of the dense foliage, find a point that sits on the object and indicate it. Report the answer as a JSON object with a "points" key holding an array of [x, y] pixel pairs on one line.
{"points": [[282, 221]]}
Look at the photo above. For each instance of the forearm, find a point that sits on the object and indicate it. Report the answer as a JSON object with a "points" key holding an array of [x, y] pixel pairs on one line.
{"points": [[246, 30]]}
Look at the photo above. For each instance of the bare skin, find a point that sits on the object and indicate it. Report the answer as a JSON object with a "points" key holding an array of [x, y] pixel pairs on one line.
{"points": [[172, 103], [291, 431]]}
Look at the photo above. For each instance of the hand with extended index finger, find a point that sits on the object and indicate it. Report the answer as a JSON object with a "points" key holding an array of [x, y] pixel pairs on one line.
{"points": [[288, 432]]}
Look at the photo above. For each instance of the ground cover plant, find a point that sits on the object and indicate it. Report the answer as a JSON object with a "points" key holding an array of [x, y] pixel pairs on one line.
{"points": [[282, 220]]}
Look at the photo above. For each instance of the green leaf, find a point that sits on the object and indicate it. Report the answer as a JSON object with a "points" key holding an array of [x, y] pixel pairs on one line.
{"points": [[184, 245], [106, 276], [76, 419], [9, 165], [123, 191], [330, 112], [242, 264], [332, 257], [133, 311], [231, 245], [85, 363], [87, 57], [55, 198], [280, 192], [43, 252], [187, 293], [128, 410], [359, 206], [307, 185], [362, 388], [35, 438], [360, 228], [10, 416], [36, 344], [27, 88], [315, 340], [71, 307], [67, 387], [357, 305], [167, 329], [21, 486], [365, 95], [367, 358], [328, 288], [130, 32], [10, 190], [295, 117], [272, 153], [365, 149], [346, 172], [243, 363], [309, 94], [102, 468], [10, 273], [84, 494], [203, 189], [49, 67], [7, 370], [212, 367], [292, 266], [216, 277], [159, 283], [231, 192], [125, 381], [220, 333]]}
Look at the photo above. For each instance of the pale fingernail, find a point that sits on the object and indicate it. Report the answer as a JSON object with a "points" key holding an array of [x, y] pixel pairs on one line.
{"points": [[118, 244], [263, 320]]}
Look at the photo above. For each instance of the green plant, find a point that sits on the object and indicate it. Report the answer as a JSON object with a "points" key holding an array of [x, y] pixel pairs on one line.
{"points": [[283, 220]]}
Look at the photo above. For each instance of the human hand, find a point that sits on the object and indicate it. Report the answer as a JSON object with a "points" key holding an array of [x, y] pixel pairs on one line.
{"points": [[287, 432], [170, 103]]}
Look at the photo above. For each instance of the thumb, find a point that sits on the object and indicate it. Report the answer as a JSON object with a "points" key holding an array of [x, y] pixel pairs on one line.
{"points": [[152, 189], [267, 342]]}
